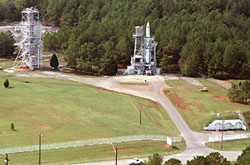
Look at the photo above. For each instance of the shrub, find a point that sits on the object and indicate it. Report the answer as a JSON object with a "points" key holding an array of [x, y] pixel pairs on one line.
{"points": [[6, 83], [173, 161], [156, 159], [12, 127], [244, 158], [54, 61]]}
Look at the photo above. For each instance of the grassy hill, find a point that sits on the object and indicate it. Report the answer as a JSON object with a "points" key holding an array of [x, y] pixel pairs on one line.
{"points": [[65, 110], [197, 107]]}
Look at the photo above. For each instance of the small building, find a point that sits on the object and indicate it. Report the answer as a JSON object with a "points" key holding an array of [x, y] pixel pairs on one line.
{"points": [[204, 89], [217, 125]]}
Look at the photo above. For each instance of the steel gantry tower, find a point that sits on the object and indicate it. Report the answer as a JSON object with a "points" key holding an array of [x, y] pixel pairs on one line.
{"points": [[143, 62], [31, 46]]}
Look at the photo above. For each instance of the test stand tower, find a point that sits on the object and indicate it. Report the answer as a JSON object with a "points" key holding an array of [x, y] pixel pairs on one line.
{"points": [[143, 61], [31, 46]]}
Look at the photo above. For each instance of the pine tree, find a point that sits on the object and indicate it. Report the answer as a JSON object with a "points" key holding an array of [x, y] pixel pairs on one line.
{"points": [[6, 83], [54, 61]]}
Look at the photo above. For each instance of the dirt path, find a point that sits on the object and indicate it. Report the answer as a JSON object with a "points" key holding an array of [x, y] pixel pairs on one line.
{"points": [[221, 83], [192, 81]]}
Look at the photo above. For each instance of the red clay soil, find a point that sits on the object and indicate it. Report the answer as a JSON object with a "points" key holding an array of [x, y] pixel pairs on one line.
{"points": [[183, 89], [45, 127], [177, 101], [139, 107], [197, 103], [219, 97], [166, 145], [122, 149]]}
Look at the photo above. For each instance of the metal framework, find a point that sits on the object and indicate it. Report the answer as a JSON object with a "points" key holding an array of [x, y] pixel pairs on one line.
{"points": [[143, 62], [31, 46]]}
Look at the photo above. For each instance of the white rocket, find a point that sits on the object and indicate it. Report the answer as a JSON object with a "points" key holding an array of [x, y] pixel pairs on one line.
{"points": [[148, 44]]}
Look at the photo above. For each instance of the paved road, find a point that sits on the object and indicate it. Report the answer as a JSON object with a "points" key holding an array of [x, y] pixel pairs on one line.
{"points": [[195, 141]]}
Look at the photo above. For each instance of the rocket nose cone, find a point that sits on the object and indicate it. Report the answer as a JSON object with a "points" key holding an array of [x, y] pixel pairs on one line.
{"points": [[148, 24]]}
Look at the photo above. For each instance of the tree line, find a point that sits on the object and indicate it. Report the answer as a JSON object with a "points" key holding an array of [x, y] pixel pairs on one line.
{"points": [[7, 41], [214, 158], [194, 36], [10, 10], [239, 92]]}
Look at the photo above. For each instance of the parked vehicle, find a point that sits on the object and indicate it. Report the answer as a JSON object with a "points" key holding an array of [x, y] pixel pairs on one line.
{"points": [[135, 161]]}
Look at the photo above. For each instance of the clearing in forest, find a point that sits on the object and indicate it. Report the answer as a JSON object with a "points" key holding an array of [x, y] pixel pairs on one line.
{"points": [[200, 108], [66, 111]]}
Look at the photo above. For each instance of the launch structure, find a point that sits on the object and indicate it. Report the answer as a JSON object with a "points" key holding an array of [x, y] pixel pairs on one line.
{"points": [[143, 62], [31, 46]]}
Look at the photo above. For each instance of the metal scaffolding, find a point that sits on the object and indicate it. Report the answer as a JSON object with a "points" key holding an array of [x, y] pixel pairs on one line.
{"points": [[31, 46], [143, 62]]}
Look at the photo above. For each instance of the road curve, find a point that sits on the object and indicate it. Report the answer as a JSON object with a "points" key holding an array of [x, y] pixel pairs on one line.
{"points": [[195, 142]]}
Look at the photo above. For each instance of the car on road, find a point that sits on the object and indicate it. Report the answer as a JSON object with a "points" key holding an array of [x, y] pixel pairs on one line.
{"points": [[135, 161]]}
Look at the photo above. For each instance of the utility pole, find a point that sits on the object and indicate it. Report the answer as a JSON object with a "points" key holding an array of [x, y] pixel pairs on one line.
{"points": [[140, 117], [115, 150], [116, 156], [222, 127], [40, 146], [6, 160]]}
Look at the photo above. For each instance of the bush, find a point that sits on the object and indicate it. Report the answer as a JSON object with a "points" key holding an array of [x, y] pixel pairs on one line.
{"points": [[54, 61], [173, 161], [213, 158], [244, 158], [12, 127], [6, 83], [156, 159]]}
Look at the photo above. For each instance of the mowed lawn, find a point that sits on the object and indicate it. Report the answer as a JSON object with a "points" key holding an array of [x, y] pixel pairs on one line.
{"points": [[200, 108], [238, 145], [65, 111], [94, 153]]}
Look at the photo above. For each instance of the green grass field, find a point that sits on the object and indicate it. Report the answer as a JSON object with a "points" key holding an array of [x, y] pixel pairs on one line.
{"points": [[238, 145], [6, 63], [66, 111], [96, 153], [195, 106]]}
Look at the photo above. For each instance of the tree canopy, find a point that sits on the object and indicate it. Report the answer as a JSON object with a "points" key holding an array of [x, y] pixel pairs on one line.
{"points": [[6, 44], [244, 158], [194, 36], [239, 92]]}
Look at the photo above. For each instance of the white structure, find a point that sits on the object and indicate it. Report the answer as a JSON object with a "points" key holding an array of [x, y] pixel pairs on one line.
{"points": [[30, 47], [143, 62], [170, 141], [225, 125]]}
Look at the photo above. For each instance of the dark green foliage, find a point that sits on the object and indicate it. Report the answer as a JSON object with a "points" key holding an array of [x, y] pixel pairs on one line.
{"points": [[156, 159], [198, 160], [247, 117], [54, 61], [240, 92], [10, 10], [168, 64], [12, 127], [6, 83], [209, 36], [214, 158], [173, 161], [244, 158], [6, 44]]}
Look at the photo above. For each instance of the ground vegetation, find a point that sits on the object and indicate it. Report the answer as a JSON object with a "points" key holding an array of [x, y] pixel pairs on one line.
{"points": [[6, 44], [198, 36], [239, 92]]}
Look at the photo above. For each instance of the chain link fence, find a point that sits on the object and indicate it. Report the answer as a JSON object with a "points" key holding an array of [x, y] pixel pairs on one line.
{"points": [[215, 138], [81, 143]]}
